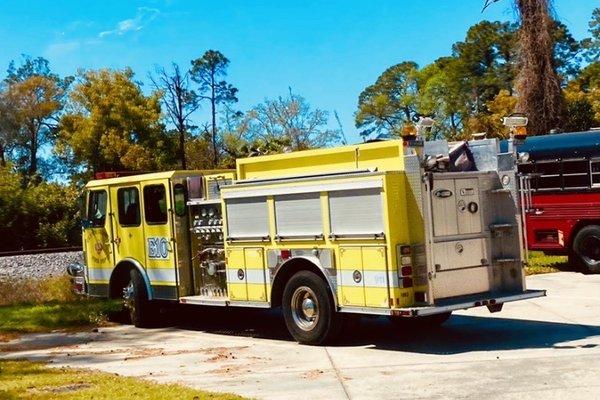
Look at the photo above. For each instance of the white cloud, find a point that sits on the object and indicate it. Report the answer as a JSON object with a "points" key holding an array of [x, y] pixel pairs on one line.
{"points": [[143, 17], [57, 50]]}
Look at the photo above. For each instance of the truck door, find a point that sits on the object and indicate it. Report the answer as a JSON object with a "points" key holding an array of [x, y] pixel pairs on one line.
{"points": [[128, 233], [158, 227], [97, 237]]}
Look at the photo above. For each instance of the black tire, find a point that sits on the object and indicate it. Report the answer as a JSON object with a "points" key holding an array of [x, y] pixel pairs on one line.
{"points": [[586, 249], [308, 309], [136, 301]]}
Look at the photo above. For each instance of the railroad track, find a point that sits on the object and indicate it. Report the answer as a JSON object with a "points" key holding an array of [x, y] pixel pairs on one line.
{"points": [[39, 251]]}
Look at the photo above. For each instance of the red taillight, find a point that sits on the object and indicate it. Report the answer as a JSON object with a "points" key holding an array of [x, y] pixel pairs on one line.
{"points": [[407, 282], [285, 254], [405, 250], [406, 271]]}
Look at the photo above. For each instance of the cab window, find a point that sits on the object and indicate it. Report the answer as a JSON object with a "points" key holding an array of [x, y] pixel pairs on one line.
{"points": [[179, 198], [155, 204], [96, 213], [129, 206]]}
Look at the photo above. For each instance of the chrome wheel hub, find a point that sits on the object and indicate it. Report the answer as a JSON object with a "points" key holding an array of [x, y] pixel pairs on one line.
{"points": [[305, 308], [129, 297], [308, 307]]}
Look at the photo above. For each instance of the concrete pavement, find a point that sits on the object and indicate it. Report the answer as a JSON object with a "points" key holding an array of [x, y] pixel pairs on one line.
{"points": [[547, 347]]}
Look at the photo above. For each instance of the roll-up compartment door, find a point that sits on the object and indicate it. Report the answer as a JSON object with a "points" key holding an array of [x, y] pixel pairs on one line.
{"points": [[356, 212], [298, 215], [247, 217]]}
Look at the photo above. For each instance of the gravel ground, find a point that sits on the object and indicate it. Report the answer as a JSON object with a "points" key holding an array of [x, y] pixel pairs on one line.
{"points": [[37, 266]]}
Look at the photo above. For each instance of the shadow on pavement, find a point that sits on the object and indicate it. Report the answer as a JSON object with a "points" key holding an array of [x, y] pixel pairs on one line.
{"points": [[460, 334]]}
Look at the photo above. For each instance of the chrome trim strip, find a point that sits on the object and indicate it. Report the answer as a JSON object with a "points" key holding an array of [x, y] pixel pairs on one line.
{"points": [[366, 310], [308, 177], [423, 311], [253, 304], [196, 300], [233, 193]]}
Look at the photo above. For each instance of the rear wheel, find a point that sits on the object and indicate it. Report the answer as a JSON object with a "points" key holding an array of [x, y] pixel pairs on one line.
{"points": [[586, 249], [135, 299], [308, 309]]}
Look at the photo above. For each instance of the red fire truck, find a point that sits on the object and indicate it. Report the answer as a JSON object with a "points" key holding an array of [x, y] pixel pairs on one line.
{"points": [[560, 181]]}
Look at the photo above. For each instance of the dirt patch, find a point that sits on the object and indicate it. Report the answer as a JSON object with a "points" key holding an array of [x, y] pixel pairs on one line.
{"points": [[157, 352], [229, 369], [224, 353], [7, 337], [313, 374]]}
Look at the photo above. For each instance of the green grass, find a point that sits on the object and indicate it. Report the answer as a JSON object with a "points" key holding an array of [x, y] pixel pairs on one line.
{"points": [[32, 380], [539, 263], [46, 317], [28, 306]]}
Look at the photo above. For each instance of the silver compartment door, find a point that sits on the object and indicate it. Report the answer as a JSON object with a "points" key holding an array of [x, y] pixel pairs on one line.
{"points": [[468, 206], [443, 204]]}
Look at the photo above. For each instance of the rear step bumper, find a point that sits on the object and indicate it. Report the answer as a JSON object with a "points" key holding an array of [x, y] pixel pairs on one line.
{"points": [[469, 301]]}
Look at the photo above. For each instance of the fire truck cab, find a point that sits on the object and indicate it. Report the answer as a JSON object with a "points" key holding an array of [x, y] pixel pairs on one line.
{"points": [[402, 229]]}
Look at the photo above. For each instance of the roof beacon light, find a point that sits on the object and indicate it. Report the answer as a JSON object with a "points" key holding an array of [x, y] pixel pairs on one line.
{"points": [[517, 124], [515, 121], [424, 124]]}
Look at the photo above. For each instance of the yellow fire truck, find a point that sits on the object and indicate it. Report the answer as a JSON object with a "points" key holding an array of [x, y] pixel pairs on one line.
{"points": [[407, 229]]}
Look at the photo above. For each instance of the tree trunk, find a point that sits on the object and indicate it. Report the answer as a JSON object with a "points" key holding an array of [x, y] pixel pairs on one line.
{"points": [[2, 156], [213, 105], [182, 148], [33, 147], [537, 84]]}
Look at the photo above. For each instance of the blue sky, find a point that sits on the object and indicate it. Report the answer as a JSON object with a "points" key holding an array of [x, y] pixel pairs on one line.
{"points": [[326, 51]]}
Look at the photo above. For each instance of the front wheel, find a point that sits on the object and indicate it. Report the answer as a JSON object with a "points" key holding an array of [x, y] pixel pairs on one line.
{"points": [[135, 299], [586, 249], [308, 309]]}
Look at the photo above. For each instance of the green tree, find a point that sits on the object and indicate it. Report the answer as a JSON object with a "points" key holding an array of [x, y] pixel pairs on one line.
{"points": [[391, 102], [445, 95], [8, 126], [111, 125], [567, 52], [11, 193], [592, 44], [486, 58], [583, 99], [209, 72], [31, 100], [37, 215]]}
